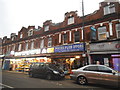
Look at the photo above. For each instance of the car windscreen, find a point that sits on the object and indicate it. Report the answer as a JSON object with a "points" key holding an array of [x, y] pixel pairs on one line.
{"points": [[54, 66]]}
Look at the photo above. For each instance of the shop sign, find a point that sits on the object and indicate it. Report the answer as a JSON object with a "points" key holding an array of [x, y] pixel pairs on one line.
{"points": [[108, 46], [44, 50], [50, 50], [69, 48]]}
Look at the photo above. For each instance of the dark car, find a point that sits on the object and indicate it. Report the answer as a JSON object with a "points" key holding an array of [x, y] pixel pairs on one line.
{"points": [[46, 70]]}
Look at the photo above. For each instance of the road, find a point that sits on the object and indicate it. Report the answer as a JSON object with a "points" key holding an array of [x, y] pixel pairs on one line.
{"points": [[22, 80]]}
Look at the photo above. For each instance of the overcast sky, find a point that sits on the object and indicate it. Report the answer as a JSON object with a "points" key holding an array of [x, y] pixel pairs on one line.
{"points": [[14, 14]]}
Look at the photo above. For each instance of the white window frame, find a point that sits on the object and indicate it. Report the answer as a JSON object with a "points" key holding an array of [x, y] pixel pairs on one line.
{"points": [[13, 38], [70, 20], [109, 9], [13, 48], [21, 35], [26, 46], [49, 41], [74, 37], [117, 30], [42, 44], [46, 28], [63, 38], [20, 47], [32, 45], [30, 32], [102, 33], [60, 38]]}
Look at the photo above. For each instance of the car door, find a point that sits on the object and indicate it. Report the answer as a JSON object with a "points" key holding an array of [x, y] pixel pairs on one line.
{"points": [[92, 74], [107, 76]]}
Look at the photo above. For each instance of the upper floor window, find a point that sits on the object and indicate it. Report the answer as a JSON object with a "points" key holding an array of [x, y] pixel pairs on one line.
{"points": [[118, 30], [42, 43], [21, 35], [65, 38], [109, 9], [26, 47], [102, 34], [70, 20], [46, 28], [13, 38], [13, 48], [76, 36], [19, 47], [30, 32], [49, 42], [32, 45]]}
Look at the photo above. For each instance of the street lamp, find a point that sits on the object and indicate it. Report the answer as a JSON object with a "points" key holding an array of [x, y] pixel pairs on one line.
{"points": [[83, 32]]}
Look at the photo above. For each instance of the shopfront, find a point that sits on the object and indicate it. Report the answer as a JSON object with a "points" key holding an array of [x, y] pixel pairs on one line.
{"points": [[106, 53], [68, 56]]}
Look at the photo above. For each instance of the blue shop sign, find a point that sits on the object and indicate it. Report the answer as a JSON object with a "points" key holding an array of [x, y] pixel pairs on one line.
{"points": [[69, 48]]}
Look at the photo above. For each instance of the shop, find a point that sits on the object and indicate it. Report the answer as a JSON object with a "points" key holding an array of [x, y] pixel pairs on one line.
{"points": [[1, 61], [69, 56], [106, 53]]}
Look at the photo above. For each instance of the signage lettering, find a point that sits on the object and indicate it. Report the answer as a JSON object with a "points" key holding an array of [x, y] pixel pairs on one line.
{"points": [[69, 48]]}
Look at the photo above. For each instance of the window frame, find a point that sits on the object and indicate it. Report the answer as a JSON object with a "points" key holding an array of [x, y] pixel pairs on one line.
{"points": [[117, 29], [77, 37], [26, 46], [71, 20], [42, 43], [46, 28], [30, 32], [49, 41], [109, 9], [65, 38], [101, 33]]}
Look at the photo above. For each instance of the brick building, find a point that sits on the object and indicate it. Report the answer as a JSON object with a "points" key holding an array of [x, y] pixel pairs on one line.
{"points": [[64, 42]]}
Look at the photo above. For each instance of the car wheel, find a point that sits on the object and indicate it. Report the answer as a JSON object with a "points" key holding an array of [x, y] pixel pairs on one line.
{"points": [[82, 80], [49, 77]]}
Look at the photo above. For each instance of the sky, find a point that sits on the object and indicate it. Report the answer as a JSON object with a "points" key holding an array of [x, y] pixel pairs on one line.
{"points": [[15, 14]]}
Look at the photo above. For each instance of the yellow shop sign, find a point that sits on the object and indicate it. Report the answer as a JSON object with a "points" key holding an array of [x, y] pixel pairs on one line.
{"points": [[50, 50]]}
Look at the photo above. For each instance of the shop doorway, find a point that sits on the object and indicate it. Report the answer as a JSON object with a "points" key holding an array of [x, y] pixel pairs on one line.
{"points": [[116, 64]]}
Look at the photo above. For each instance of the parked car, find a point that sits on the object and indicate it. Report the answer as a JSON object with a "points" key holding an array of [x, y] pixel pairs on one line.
{"points": [[99, 74], [46, 70]]}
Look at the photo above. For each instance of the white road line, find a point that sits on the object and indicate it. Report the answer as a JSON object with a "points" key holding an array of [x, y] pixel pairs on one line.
{"points": [[6, 85]]}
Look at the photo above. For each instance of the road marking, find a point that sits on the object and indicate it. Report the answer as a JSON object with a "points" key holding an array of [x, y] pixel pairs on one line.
{"points": [[6, 85]]}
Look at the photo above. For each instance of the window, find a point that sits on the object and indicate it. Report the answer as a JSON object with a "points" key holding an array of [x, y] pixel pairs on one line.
{"points": [[21, 35], [49, 42], [118, 30], [13, 48], [109, 9], [32, 45], [42, 43], [76, 36], [91, 68], [30, 32], [102, 34], [70, 20], [19, 47], [104, 69], [46, 28], [65, 38], [26, 48], [13, 38]]}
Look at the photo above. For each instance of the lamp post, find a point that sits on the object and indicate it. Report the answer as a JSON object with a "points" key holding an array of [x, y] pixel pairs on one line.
{"points": [[83, 32]]}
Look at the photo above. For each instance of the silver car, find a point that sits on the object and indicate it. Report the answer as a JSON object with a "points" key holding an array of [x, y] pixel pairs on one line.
{"points": [[99, 74]]}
